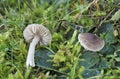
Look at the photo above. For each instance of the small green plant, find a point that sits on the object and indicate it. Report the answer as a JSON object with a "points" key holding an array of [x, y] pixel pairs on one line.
{"points": [[64, 57]]}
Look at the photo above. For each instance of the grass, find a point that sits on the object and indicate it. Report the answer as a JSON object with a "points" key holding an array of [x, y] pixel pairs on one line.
{"points": [[60, 17]]}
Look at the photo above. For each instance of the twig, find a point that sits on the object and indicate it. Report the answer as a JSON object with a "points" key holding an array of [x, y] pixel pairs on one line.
{"points": [[94, 1], [106, 18], [107, 15]]}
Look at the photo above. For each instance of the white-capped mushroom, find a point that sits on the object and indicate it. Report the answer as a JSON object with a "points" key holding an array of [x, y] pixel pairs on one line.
{"points": [[91, 42], [34, 34]]}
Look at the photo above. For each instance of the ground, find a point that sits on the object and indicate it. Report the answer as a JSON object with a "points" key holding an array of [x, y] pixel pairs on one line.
{"points": [[64, 58]]}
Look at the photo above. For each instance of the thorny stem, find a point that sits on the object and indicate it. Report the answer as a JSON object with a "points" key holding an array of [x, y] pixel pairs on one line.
{"points": [[31, 51]]}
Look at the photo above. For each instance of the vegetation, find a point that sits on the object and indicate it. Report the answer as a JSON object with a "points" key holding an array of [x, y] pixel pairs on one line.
{"points": [[64, 58]]}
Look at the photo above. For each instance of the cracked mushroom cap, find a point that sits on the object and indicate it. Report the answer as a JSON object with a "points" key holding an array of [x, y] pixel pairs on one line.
{"points": [[39, 30], [90, 41]]}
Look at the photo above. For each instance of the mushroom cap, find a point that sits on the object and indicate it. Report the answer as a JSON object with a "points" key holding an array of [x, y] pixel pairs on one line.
{"points": [[90, 41], [39, 30]]}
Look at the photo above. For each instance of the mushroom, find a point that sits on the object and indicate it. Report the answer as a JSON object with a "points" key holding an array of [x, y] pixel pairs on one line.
{"points": [[91, 42], [34, 34]]}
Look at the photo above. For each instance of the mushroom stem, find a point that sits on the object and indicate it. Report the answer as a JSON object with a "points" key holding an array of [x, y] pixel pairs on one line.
{"points": [[31, 51]]}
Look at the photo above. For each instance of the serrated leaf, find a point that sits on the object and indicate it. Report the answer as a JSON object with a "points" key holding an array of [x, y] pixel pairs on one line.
{"points": [[116, 16]]}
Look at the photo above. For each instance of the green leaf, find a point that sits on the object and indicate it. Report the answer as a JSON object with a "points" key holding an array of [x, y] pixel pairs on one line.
{"points": [[72, 74], [110, 38], [118, 48], [42, 57], [90, 59], [90, 73], [58, 2], [116, 16], [10, 76], [99, 13], [108, 49], [107, 29], [103, 64], [117, 59]]}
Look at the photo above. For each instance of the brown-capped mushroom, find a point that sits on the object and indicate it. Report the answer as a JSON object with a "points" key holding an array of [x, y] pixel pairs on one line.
{"points": [[91, 42], [34, 34]]}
